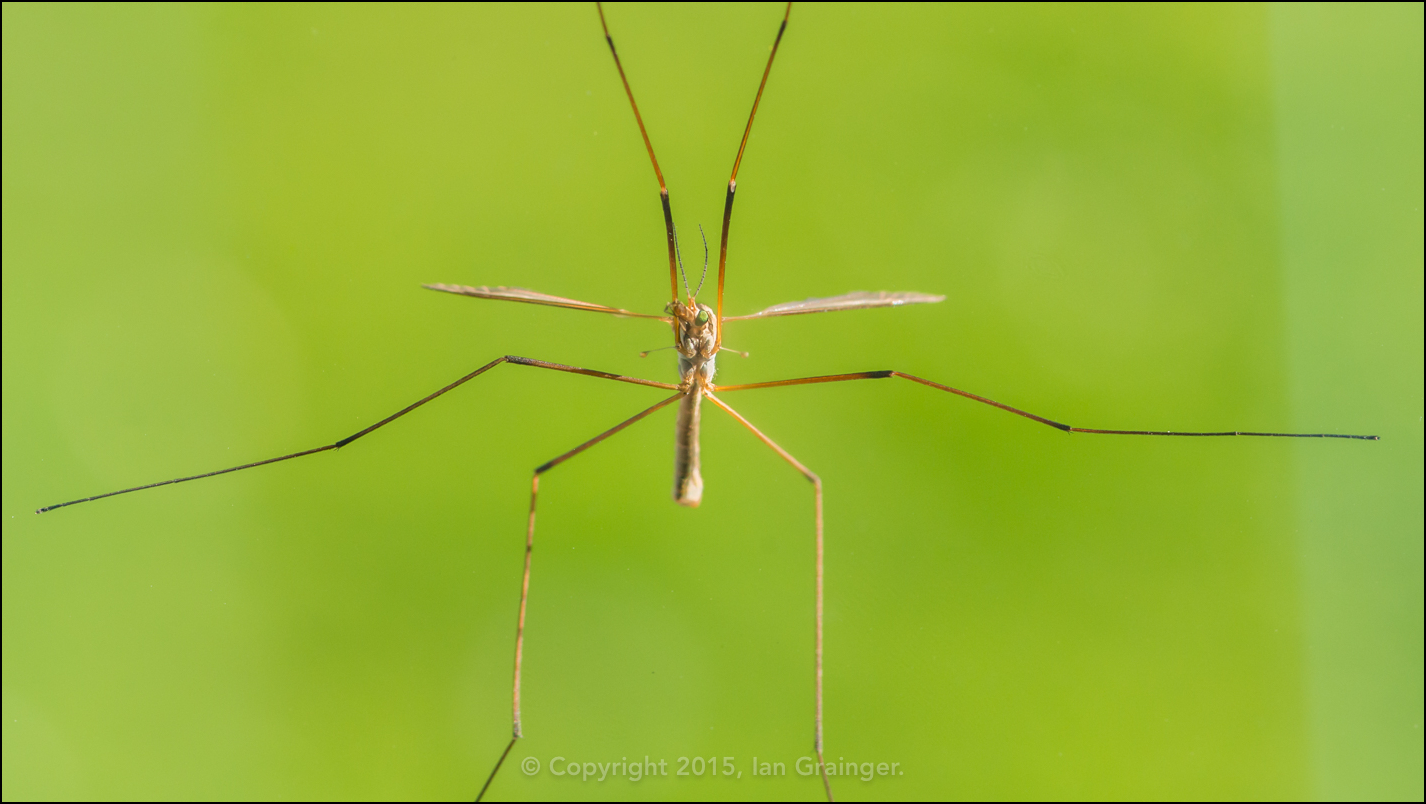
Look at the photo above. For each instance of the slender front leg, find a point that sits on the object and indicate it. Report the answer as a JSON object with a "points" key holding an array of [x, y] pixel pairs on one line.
{"points": [[516, 731], [738, 161], [663, 188], [817, 497]]}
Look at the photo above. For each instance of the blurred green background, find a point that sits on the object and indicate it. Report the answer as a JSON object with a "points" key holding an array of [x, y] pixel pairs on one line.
{"points": [[216, 223]]}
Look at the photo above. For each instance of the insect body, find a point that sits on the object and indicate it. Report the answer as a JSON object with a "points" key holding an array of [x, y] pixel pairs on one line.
{"points": [[697, 330]]}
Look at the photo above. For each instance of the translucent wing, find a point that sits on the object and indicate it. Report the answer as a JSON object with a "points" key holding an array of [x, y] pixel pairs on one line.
{"points": [[858, 300], [533, 297]]}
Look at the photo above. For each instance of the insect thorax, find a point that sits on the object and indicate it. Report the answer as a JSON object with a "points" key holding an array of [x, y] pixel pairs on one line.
{"points": [[703, 366], [695, 329]]}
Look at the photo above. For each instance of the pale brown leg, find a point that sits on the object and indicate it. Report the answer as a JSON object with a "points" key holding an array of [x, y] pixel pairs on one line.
{"points": [[881, 375], [737, 162], [817, 496], [513, 359], [663, 188], [516, 731]]}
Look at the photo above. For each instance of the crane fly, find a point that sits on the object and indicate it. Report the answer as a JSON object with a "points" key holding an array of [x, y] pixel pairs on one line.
{"points": [[697, 330]]}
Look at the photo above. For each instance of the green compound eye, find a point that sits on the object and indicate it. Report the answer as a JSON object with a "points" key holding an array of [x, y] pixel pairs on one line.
{"points": [[702, 317]]}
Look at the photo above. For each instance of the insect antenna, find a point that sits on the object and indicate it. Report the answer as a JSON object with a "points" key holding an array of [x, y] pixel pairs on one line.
{"points": [[679, 254], [703, 235]]}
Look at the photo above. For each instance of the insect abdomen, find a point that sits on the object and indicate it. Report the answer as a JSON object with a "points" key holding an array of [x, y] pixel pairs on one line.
{"points": [[687, 482]]}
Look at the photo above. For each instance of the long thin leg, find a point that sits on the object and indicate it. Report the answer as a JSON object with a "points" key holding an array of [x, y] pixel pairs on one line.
{"points": [[663, 188], [733, 179], [516, 732], [817, 495], [516, 360], [879, 375]]}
